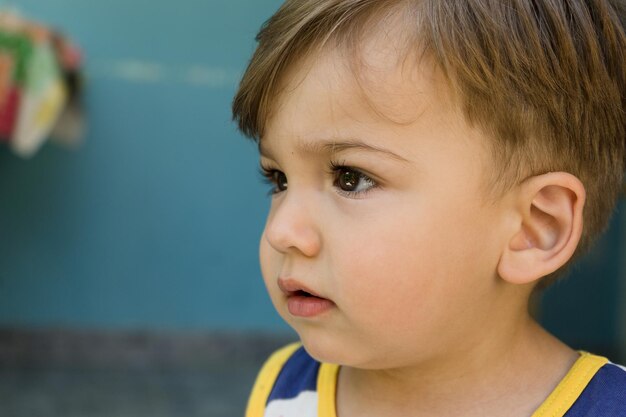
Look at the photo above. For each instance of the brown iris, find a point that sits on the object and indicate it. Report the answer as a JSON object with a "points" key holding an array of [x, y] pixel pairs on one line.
{"points": [[348, 179], [280, 179]]}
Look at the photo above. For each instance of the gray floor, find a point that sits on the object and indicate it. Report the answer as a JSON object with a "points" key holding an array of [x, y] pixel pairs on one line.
{"points": [[216, 392], [52, 373]]}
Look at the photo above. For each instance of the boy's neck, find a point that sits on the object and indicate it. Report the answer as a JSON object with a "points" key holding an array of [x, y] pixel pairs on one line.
{"points": [[512, 377]]}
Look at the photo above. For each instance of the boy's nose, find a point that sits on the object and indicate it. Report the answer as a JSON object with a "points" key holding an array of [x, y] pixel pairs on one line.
{"points": [[291, 226]]}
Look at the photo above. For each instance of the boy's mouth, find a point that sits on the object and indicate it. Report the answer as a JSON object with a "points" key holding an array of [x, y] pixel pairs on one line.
{"points": [[302, 301], [290, 287]]}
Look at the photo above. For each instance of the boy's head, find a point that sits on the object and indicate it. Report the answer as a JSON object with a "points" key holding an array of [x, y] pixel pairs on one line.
{"points": [[544, 80], [424, 155]]}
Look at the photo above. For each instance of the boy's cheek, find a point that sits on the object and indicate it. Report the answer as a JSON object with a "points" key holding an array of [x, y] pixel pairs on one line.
{"points": [[268, 262]]}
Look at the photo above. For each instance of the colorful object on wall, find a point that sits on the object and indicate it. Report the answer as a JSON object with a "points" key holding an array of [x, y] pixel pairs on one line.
{"points": [[40, 86]]}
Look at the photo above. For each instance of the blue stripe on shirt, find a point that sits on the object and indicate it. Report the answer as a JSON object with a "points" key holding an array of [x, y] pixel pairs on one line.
{"points": [[604, 396], [299, 374]]}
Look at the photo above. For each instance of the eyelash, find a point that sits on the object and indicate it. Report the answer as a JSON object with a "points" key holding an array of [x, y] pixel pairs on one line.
{"points": [[270, 177]]}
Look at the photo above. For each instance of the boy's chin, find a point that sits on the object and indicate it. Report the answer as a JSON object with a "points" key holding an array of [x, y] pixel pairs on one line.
{"points": [[336, 350], [322, 346]]}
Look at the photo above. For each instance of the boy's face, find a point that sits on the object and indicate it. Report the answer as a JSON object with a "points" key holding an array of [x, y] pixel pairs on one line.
{"points": [[386, 220]]}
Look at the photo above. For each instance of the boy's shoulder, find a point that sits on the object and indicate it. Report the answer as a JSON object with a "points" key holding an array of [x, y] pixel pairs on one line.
{"points": [[593, 387], [604, 395], [290, 383]]}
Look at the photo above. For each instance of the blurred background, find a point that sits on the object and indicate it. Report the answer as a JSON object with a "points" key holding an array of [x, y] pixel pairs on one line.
{"points": [[129, 280]]}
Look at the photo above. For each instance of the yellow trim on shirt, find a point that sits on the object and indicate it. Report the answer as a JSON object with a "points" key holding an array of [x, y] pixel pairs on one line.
{"points": [[570, 387], [556, 405], [327, 390], [266, 379]]}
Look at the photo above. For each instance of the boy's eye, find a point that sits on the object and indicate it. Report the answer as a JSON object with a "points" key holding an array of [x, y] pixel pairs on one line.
{"points": [[349, 181], [352, 181], [280, 180], [275, 178]]}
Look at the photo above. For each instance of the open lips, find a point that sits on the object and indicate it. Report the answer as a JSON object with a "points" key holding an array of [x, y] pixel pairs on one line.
{"points": [[291, 287], [301, 301]]}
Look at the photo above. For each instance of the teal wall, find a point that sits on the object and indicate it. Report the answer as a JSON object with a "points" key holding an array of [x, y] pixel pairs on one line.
{"points": [[154, 221]]}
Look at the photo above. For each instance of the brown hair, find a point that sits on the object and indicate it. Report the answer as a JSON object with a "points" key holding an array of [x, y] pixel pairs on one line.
{"points": [[545, 79]]}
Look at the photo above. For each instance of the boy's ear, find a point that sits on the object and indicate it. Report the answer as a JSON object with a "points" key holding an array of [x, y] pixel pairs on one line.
{"points": [[551, 213]]}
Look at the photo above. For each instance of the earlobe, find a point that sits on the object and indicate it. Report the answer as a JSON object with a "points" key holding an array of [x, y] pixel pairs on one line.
{"points": [[550, 207]]}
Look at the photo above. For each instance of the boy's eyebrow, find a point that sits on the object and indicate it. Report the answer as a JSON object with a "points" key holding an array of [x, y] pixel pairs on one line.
{"points": [[334, 146]]}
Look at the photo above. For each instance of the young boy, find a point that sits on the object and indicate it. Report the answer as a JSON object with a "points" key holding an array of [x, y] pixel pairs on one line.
{"points": [[432, 163]]}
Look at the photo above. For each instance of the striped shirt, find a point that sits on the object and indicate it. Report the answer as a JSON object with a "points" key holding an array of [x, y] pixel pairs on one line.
{"points": [[293, 384]]}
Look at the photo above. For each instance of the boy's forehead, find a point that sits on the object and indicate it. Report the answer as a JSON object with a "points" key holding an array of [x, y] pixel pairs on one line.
{"points": [[327, 109], [374, 84]]}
